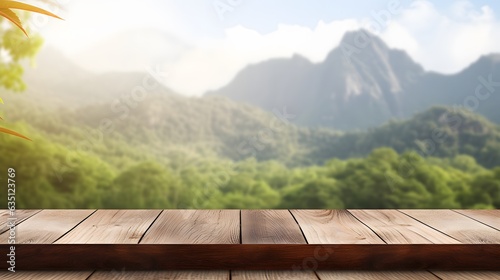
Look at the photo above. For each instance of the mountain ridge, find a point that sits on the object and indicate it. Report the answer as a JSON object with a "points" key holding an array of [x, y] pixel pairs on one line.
{"points": [[371, 86]]}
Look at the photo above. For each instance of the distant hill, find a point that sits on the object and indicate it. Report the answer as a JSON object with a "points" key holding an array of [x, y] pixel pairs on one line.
{"points": [[160, 124], [57, 81], [210, 124], [437, 132], [95, 145], [64, 101], [67, 105], [364, 89], [163, 125]]}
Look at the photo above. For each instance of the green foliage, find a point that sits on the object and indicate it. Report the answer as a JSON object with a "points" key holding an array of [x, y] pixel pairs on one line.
{"points": [[17, 47], [46, 179], [437, 132], [167, 151], [319, 193], [156, 156], [147, 185], [52, 176], [14, 47]]}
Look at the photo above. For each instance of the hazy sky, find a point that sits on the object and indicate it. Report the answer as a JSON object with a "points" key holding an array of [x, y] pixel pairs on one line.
{"points": [[194, 41]]}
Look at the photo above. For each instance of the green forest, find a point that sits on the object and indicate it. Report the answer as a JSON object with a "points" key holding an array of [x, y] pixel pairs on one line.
{"points": [[93, 147], [73, 164]]}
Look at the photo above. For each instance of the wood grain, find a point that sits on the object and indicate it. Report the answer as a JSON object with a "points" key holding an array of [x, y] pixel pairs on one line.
{"points": [[47, 226], [334, 227], [20, 216], [45, 275], [195, 227], [160, 275], [111, 227], [376, 275], [273, 275], [463, 229], [488, 217], [210, 239], [397, 228], [253, 256], [468, 275], [270, 227]]}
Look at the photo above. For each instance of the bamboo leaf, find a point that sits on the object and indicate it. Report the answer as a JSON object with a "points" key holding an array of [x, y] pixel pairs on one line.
{"points": [[1, 101], [11, 132], [4, 4], [11, 16]]}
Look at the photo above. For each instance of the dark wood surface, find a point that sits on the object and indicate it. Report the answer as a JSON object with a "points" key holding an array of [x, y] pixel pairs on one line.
{"points": [[251, 275], [254, 256], [249, 240]]}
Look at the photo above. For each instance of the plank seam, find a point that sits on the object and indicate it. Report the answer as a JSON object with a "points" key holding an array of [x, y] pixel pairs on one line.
{"points": [[430, 226], [367, 226], [476, 220], [435, 275], [64, 234], [88, 277], [150, 225], [300, 228], [7, 229]]}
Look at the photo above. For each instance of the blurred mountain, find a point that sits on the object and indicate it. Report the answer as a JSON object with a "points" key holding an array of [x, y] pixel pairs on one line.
{"points": [[57, 80], [376, 84], [65, 102], [361, 84], [437, 132]]}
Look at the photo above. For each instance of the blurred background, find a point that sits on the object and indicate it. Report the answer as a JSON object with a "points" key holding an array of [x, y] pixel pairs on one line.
{"points": [[252, 104]]}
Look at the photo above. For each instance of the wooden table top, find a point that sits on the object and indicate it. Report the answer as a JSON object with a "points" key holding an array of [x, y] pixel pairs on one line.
{"points": [[255, 239]]}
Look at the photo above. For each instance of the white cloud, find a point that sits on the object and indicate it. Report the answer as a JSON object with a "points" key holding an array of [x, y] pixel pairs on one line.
{"points": [[217, 62], [441, 40]]}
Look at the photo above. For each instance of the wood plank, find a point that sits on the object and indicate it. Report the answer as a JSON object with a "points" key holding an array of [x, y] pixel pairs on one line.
{"points": [[111, 227], [270, 227], [158, 275], [488, 217], [334, 227], [395, 227], [20, 216], [253, 256], [195, 227], [273, 275], [47, 226], [468, 275], [45, 275], [376, 275], [463, 229]]}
